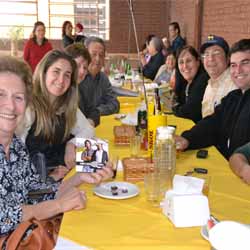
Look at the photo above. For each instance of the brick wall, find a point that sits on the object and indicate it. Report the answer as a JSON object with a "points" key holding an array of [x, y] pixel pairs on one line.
{"points": [[150, 17], [227, 18], [183, 12]]}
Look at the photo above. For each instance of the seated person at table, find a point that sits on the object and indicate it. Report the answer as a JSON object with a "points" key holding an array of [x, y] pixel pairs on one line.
{"points": [[240, 162], [144, 50], [96, 87], [166, 71], [149, 69], [214, 53], [53, 118], [229, 126], [82, 58], [18, 175], [191, 84]]}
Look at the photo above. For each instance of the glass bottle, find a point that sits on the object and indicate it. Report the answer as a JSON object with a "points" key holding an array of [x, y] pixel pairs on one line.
{"points": [[165, 155]]}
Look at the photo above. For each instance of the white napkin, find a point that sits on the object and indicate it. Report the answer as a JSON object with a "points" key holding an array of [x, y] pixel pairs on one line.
{"points": [[130, 119], [187, 185], [185, 205], [230, 235]]}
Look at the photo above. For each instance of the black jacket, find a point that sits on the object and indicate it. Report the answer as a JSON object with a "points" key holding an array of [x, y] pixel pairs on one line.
{"points": [[97, 92], [227, 129], [151, 68], [190, 106]]}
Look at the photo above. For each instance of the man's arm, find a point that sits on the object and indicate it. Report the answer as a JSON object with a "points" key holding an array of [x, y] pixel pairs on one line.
{"points": [[239, 162]]}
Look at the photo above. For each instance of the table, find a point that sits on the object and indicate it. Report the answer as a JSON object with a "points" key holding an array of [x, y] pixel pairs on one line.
{"points": [[135, 224]]}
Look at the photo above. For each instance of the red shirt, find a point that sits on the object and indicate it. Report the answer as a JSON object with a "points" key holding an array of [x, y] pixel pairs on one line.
{"points": [[33, 53]]}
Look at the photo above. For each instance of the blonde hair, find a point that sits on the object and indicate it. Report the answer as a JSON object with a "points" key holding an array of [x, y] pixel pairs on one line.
{"points": [[67, 104]]}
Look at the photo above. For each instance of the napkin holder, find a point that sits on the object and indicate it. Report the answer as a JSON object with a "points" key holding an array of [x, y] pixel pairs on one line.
{"points": [[136, 167], [186, 210], [123, 133]]}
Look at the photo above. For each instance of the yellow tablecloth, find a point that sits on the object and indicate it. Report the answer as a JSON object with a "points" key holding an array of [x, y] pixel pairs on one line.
{"points": [[135, 224]]}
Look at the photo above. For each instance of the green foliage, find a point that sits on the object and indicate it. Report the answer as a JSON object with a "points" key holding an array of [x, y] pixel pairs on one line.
{"points": [[16, 33]]}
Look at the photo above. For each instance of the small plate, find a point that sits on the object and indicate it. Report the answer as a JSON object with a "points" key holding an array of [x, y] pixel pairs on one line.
{"points": [[104, 190]]}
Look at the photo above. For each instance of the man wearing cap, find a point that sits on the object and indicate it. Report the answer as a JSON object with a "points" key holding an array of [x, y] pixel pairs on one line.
{"points": [[229, 126], [215, 60]]}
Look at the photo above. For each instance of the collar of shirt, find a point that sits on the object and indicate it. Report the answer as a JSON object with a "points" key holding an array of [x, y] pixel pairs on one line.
{"points": [[215, 83]]}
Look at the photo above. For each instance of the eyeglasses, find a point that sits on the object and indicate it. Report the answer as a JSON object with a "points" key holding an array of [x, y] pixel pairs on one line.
{"points": [[214, 53]]}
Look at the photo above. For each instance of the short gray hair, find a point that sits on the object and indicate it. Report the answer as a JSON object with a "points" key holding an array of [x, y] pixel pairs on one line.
{"points": [[157, 42], [94, 39]]}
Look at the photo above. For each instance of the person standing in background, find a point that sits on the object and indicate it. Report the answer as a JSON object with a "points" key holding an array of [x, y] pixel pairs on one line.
{"points": [[79, 36], [37, 46], [67, 37], [175, 40]]}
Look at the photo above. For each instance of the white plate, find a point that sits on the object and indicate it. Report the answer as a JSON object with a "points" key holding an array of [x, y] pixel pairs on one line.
{"points": [[104, 190]]}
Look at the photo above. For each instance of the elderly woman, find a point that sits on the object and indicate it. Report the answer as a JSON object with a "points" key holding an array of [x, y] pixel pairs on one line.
{"points": [[191, 82], [18, 176], [157, 59], [53, 118]]}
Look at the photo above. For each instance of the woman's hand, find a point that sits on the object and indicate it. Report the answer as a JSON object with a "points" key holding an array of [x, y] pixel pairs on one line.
{"points": [[99, 176], [59, 173], [72, 199], [70, 155]]}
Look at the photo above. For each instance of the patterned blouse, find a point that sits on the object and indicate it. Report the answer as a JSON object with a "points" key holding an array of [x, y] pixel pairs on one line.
{"points": [[17, 177]]}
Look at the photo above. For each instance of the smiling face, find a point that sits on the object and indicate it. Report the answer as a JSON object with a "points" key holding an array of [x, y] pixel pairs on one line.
{"points": [[240, 69], [97, 54], [12, 102], [58, 78], [188, 65], [215, 61], [40, 32], [82, 66]]}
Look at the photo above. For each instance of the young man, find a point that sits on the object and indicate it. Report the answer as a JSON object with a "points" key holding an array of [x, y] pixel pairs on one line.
{"points": [[82, 59], [214, 53], [96, 87], [229, 127], [175, 39]]}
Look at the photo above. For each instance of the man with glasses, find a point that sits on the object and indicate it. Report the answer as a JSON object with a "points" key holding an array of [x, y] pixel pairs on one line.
{"points": [[229, 126], [214, 53]]}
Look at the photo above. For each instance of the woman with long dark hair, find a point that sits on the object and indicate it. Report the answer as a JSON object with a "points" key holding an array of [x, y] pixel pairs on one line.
{"points": [[37, 46], [191, 82]]}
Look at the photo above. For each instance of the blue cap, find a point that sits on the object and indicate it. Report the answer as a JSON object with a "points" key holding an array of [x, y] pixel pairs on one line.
{"points": [[215, 40]]}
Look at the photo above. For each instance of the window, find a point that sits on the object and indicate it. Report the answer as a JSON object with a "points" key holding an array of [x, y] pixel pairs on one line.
{"points": [[18, 13], [93, 14]]}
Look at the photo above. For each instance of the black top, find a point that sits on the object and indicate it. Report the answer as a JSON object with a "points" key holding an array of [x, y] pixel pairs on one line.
{"points": [[97, 92], [67, 41], [80, 39], [189, 97], [54, 153], [151, 68], [227, 128]]}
